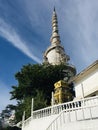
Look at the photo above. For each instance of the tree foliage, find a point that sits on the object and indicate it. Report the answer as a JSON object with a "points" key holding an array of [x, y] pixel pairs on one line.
{"points": [[11, 128], [35, 81]]}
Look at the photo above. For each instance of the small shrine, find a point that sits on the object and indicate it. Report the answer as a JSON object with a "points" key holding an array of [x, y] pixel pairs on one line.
{"points": [[61, 92]]}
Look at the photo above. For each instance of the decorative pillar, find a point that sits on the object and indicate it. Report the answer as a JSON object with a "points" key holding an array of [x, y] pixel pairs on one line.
{"points": [[61, 92]]}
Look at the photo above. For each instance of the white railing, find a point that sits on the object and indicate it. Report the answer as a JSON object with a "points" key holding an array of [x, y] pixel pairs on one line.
{"points": [[56, 109], [19, 124], [26, 122], [75, 114]]}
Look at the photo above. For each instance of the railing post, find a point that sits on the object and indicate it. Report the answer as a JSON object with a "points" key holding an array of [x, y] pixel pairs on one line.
{"points": [[90, 113], [83, 108], [56, 125], [52, 103], [83, 100], [76, 114], [23, 119], [69, 116], [60, 121], [82, 90], [32, 105], [63, 117], [52, 100]]}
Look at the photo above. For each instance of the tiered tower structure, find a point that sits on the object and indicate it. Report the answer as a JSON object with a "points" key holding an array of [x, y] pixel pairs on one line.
{"points": [[55, 55]]}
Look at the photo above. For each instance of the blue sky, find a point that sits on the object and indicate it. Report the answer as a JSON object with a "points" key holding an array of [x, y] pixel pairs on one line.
{"points": [[25, 31]]}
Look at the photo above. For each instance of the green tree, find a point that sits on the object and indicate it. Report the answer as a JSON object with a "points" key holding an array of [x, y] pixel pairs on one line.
{"points": [[35, 81], [10, 128], [39, 100]]}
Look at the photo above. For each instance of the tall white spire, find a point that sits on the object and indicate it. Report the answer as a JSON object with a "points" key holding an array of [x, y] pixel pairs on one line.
{"points": [[55, 54], [55, 38]]}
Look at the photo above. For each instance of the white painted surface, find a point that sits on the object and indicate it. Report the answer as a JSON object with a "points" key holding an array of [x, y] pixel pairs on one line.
{"points": [[87, 85], [75, 116], [55, 57], [75, 111], [81, 125], [39, 124]]}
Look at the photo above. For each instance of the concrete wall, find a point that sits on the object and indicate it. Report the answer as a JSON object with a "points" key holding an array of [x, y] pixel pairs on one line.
{"points": [[81, 125], [87, 111], [78, 118], [87, 85], [39, 124]]}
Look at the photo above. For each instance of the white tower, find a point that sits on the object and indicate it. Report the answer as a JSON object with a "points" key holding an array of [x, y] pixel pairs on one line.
{"points": [[55, 54]]}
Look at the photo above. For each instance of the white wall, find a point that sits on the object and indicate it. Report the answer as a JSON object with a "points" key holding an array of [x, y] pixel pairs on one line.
{"points": [[85, 118], [39, 124], [87, 85], [81, 125]]}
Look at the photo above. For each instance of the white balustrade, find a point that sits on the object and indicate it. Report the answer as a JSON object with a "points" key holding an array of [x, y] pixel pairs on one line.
{"points": [[66, 116], [26, 122], [67, 107]]}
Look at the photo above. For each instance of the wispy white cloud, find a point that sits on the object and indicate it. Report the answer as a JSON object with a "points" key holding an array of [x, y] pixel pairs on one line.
{"points": [[78, 25], [79, 18], [88, 28], [5, 96], [78, 21], [8, 32]]}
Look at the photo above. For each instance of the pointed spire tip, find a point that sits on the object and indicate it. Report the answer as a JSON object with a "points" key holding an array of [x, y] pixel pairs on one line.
{"points": [[54, 8]]}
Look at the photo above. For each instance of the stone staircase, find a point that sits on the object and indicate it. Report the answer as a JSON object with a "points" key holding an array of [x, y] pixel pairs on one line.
{"points": [[79, 115], [77, 118], [39, 124]]}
